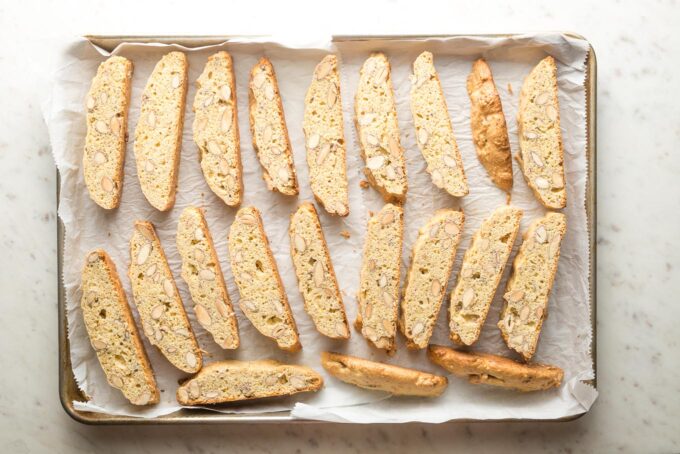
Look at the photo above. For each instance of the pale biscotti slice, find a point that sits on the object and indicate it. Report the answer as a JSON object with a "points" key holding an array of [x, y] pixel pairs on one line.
{"points": [[158, 137], [396, 380], [431, 263], [113, 333], [230, 381], [486, 369], [541, 154], [376, 122], [269, 131], [263, 298], [202, 272], [434, 132], [481, 273], [489, 129], [316, 277], [325, 138], [528, 289], [378, 296], [160, 307], [107, 105], [216, 129]]}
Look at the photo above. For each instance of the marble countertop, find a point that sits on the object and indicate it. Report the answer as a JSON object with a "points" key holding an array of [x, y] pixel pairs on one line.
{"points": [[638, 219]]}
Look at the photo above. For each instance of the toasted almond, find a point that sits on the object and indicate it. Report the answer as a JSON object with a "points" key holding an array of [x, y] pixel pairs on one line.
{"points": [[380, 76], [151, 270], [201, 123], [319, 274], [393, 144], [423, 135], [468, 296], [514, 296], [107, 184], [99, 345], [554, 245], [451, 228], [248, 219], [551, 113], [437, 178], [143, 398], [225, 92], [530, 135], [387, 325], [182, 395], [435, 288], [267, 133], [224, 166], [269, 92], [434, 230], [382, 282], [176, 81], [372, 140], [206, 275], [158, 335], [541, 183], [375, 162], [226, 120], [417, 329], [222, 308], [541, 234], [214, 147], [99, 158], [323, 153], [557, 180], [300, 243], [279, 331], [542, 98], [90, 103], [313, 141], [370, 333], [101, 127], [202, 315], [387, 218], [116, 381], [199, 256], [368, 311], [103, 97], [323, 69], [271, 380], [449, 161], [524, 313], [387, 298], [194, 389], [249, 305], [190, 359], [143, 253], [246, 276], [93, 257], [297, 382], [537, 159], [331, 96], [182, 332], [390, 172], [157, 311], [283, 174], [466, 272], [168, 288], [340, 329], [114, 124]]}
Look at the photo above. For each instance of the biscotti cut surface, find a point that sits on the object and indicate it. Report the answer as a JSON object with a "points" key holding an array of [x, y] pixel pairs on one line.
{"points": [[158, 137], [107, 105], [486, 369], [113, 333], [158, 302], [376, 121], [489, 129], [481, 273], [230, 381], [216, 128], [325, 138], [540, 138], [269, 131], [383, 377], [528, 290], [202, 272], [434, 132], [314, 270], [263, 298], [431, 262]]}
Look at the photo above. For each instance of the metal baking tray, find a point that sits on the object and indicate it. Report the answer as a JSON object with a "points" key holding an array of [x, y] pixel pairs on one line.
{"points": [[68, 390]]}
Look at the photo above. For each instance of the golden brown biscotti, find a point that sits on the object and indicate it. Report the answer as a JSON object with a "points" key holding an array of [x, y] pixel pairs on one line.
{"points": [[486, 369], [396, 380], [481, 272], [230, 381], [378, 129], [489, 129], [160, 307], [325, 138], [528, 289], [431, 263], [113, 333], [263, 298], [216, 129], [541, 154], [107, 105], [158, 137]]}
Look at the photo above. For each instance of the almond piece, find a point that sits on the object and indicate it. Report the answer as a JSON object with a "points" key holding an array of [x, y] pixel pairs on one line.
{"points": [[226, 120], [190, 359], [107, 184], [541, 234], [101, 127], [176, 81], [157, 311], [90, 103], [435, 288], [542, 98], [541, 183], [451, 228], [417, 329], [214, 147], [202, 315], [557, 180], [313, 141], [423, 135], [449, 161], [206, 275], [143, 253], [318, 274], [323, 153], [300, 243], [168, 288], [99, 158], [537, 159], [468, 297], [372, 140], [225, 92], [323, 70], [375, 162]]}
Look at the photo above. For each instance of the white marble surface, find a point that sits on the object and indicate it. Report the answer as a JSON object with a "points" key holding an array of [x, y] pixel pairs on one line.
{"points": [[637, 45]]}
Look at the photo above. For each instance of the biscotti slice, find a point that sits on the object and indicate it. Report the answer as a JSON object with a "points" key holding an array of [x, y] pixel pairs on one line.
{"points": [[202, 272], [528, 289], [263, 298], [431, 262], [378, 296], [107, 112], [160, 307], [325, 138], [489, 129], [434, 133], [481, 273], [316, 277], [396, 380], [158, 137], [541, 154], [230, 381], [269, 131], [376, 121], [216, 128], [113, 333]]}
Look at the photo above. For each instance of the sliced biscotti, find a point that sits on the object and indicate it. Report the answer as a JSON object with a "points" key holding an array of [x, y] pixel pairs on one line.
{"points": [[216, 128], [158, 137], [325, 138], [113, 333], [160, 307], [269, 131], [434, 132], [431, 262], [107, 105], [489, 129], [316, 277], [396, 380], [481, 273], [230, 381], [202, 272], [541, 154], [528, 289], [376, 122], [263, 298], [378, 296]]}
